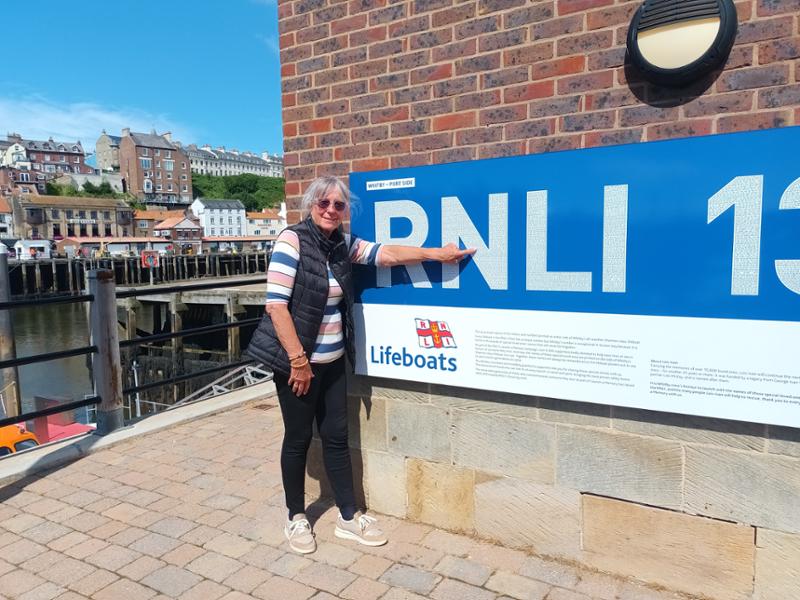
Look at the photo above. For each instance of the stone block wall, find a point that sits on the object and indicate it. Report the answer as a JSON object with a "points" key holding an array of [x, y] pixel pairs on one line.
{"points": [[704, 506]]}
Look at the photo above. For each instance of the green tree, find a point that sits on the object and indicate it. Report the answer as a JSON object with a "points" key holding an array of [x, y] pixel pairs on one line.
{"points": [[253, 191]]}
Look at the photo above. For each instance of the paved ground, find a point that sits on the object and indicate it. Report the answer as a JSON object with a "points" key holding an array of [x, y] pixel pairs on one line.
{"points": [[195, 512]]}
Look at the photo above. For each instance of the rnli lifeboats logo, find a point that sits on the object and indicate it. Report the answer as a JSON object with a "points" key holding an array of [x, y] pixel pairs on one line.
{"points": [[434, 334]]}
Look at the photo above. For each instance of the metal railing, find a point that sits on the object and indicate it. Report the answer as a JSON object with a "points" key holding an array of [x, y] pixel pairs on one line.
{"points": [[105, 346]]}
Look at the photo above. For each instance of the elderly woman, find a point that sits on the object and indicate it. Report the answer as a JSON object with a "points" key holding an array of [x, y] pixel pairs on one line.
{"points": [[304, 339]]}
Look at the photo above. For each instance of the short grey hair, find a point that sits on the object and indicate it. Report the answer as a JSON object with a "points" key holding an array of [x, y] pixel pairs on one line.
{"points": [[320, 187]]}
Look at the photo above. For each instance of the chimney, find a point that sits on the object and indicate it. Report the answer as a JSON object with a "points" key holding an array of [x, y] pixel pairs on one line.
{"points": [[167, 136], [220, 148], [126, 131]]}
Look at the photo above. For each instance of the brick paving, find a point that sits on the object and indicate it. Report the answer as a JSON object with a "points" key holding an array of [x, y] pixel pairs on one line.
{"points": [[195, 512]]}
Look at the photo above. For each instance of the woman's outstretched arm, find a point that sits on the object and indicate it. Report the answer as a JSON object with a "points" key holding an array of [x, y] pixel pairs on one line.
{"points": [[391, 256]]}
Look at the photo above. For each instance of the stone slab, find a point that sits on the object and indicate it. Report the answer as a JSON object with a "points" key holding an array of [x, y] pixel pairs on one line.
{"points": [[386, 483], [366, 422], [418, 431], [524, 514], [750, 488], [692, 554], [646, 470], [504, 445], [777, 565], [441, 495]]}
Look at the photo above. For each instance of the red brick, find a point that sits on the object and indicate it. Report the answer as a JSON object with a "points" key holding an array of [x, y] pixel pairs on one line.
{"points": [[748, 122], [529, 54], [289, 130], [557, 27], [315, 126], [566, 7], [610, 99], [389, 82], [785, 49], [417, 127], [530, 129], [455, 50], [411, 60], [352, 151], [554, 144], [291, 159], [600, 80], [433, 141], [337, 107], [480, 135], [288, 100], [370, 134], [531, 91], [330, 140], [349, 57], [409, 26], [390, 48], [719, 104], [645, 114], [370, 164], [476, 64], [369, 69], [554, 106], [756, 77], [500, 150], [349, 89], [368, 36], [767, 29], [453, 155], [454, 121], [607, 59], [432, 73], [588, 121], [331, 13], [505, 77], [680, 130], [389, 147], [503, 39], [419, 93], [477, 27], [452, 87], [432, 108], [456, 14], [765, 8], [611, 16], [291, 188], [582, 44], [313, 157], [503, 114], [299, 113], [560, 66], [478, 100], [530, 14], [368, 101], [285, 41], [788, 95], [385, 115], [388, 15], [411, 160], [353, 23]]}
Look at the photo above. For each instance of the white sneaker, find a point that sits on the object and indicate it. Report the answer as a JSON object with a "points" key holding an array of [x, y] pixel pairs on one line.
{"points": [[363, 529], [298, 532]]}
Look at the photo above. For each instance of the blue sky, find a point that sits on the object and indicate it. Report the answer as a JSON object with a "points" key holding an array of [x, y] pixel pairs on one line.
{"points": [[114, 63]]}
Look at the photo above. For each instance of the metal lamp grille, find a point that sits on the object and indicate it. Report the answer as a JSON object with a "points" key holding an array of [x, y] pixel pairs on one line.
{"points": [[656, 13]]}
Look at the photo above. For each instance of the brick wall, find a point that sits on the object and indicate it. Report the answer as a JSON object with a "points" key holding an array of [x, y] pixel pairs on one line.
{"points": [[705, 506], [375, 84]]}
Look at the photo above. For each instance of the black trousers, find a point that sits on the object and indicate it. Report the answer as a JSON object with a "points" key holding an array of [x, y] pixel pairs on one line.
{"points": [[326, 401]]}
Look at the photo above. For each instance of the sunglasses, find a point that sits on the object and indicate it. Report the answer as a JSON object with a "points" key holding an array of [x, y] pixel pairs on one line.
{"points": [[339, 205]]}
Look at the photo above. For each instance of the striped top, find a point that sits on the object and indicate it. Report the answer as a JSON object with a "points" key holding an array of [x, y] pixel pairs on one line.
{"points": [[280, 283]]}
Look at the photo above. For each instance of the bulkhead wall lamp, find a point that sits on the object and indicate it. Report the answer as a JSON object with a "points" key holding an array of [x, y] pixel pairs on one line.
{"points": [[676, 42]]}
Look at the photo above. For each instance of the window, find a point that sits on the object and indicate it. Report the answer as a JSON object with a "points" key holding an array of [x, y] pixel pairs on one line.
{"points": [[24, 177], [158, 164], [54, 213], [106, 215], [212, 220], [169, 187], [257, 232], [125, 232], [68, 213], [33, 156], [93, 214], [158, 152], [169, 175], [108, 230], [75, 149], [230, 220], [95, 230], [147, 163], [142, 224], [82, 228], [34, 232], [46, 158], [184, 177], [169, 165], [183, 165], [81, 214], [158, 187], [56, 229], [213, 231], [62, 158], [77, 159], [148, 186], [24, 445], [145, 152], [158, 174], [239, 220], [168, 154], [185, 188], [5, 450], [70, 229], [49, 168]]}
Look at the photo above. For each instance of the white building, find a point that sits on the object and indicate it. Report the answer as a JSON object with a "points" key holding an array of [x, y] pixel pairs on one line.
{"points": [[15, 156], [6, 219], [267, 222], [220, 217], [219, 161]]}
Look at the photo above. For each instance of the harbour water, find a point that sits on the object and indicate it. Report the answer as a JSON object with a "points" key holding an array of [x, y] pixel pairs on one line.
{"points": [[39, 329]]}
